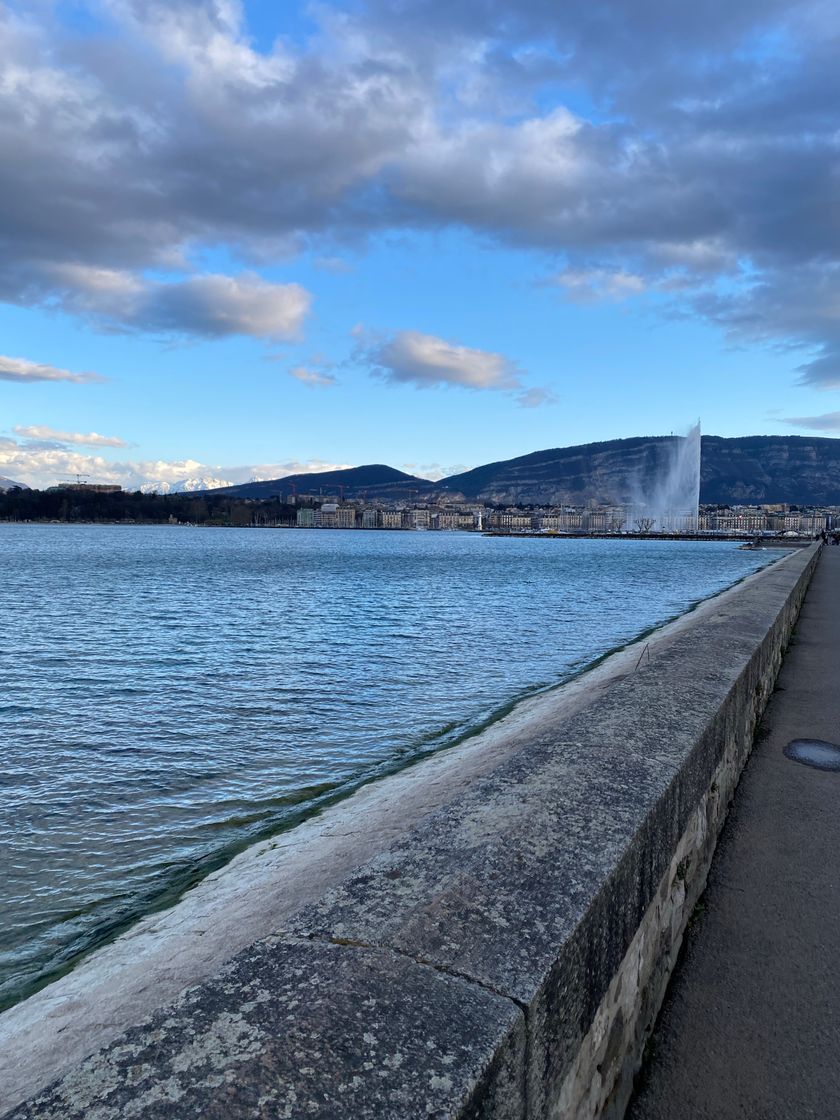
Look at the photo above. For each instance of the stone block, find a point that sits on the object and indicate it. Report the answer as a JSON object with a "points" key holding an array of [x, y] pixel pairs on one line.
{"points": [[293, 1030]]}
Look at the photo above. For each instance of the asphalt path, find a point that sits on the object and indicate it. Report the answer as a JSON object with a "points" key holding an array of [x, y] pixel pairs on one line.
{"points": [[750, 1028]]}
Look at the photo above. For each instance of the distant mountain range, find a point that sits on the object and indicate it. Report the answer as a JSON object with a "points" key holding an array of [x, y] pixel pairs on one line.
{"points": [[185, 486], [800, 470], [10, 484]]}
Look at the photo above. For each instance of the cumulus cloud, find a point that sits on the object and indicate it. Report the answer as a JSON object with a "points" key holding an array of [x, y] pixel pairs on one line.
{"points": [[23, 370], [428, 362], [423, 360]]}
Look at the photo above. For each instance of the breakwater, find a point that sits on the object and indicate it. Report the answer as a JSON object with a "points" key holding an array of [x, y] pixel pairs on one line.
{"points": [[504, 956]]}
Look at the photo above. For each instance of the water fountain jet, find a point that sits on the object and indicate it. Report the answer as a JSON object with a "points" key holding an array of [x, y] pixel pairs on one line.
{"points": [[670, 503]]}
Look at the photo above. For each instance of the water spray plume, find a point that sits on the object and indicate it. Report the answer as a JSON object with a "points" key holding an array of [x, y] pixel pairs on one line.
{"points": [[671, 501]]}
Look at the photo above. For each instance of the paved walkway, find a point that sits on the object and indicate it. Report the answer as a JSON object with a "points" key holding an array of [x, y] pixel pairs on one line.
{"points": [[751, 1024]]}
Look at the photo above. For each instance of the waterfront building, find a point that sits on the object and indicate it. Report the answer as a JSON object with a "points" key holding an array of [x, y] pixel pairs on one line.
{"points": [[325, 517], [518, 522], [591, 518], [812, 522], [333, 516], [596, 521], [550, 523], [743, 521]]}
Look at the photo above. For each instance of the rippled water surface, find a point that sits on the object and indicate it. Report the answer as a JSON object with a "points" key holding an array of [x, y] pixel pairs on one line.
{"points": [[170, 694]]}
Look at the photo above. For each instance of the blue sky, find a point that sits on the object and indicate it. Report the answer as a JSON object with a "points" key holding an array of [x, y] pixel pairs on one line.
{"points": [[429, 235]]}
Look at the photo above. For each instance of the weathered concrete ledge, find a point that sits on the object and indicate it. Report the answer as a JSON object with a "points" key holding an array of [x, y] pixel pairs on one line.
{"points": [[506, 957]]}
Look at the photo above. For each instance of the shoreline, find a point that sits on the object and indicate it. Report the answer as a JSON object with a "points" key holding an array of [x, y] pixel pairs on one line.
{"points": [[712, 536], [257, 891]]}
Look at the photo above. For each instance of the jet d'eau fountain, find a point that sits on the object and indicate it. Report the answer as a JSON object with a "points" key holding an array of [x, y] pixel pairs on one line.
{"points": [[669, 502]]}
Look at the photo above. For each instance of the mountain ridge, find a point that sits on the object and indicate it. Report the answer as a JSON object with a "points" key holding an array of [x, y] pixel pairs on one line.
{"points": [[371, 476], [800, 470]]}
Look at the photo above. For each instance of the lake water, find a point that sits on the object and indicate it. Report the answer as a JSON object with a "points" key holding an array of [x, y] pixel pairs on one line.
{"points": [[170, 695]]}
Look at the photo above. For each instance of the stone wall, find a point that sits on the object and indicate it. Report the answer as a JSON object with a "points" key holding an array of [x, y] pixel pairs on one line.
{"points": [[506, 958]]}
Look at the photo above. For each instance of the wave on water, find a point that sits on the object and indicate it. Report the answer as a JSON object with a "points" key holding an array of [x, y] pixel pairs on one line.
{"points": [[187, 694]]}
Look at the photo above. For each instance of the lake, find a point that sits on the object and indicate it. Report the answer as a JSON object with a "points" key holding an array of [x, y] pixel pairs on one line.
{"points": [[170, 695]]}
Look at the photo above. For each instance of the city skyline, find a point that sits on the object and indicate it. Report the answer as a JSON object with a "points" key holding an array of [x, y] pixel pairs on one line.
{"points": [[239, 242]]}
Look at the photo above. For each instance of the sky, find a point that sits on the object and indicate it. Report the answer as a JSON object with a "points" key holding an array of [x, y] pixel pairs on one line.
{"points": [[243, 240]]}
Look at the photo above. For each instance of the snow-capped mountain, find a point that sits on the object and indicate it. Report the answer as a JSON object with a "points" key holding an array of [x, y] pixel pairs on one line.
{"points": [[10, 484], [185, 486]]}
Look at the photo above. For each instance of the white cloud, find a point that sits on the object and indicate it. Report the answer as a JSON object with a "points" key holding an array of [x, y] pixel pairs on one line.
{"points": [[88, 439], [433, 471], [313, 377], [22, 370], [424, 360]]}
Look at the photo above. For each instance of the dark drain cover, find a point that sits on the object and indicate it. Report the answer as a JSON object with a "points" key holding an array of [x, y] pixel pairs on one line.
{"points": [[814, 752]]}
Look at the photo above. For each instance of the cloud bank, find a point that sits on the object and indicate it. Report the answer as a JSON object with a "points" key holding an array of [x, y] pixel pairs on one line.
{"points": [[687, 150], [41, 463]]}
